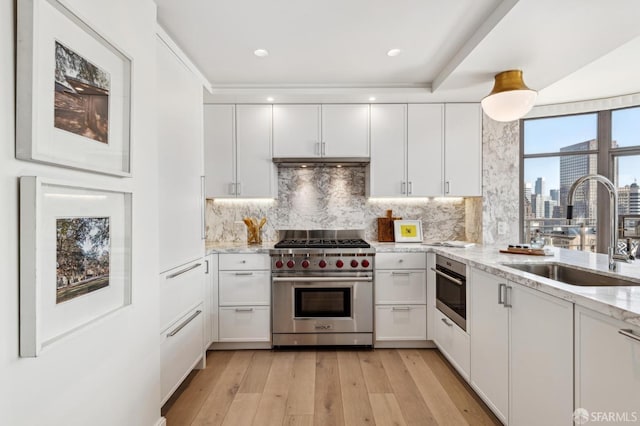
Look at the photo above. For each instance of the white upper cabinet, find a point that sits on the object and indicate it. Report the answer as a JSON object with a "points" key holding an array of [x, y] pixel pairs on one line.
{"points": [[296, 131], [424, 149], [345, 131], [463, 150], [238, 151], [179, 161], [387, 171], [308, 131]]}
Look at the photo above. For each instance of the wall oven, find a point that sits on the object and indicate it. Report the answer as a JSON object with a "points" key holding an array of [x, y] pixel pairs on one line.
{"points": [[451, 289]]}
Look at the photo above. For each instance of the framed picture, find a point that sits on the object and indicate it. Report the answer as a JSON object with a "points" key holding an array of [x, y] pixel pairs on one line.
{"points": [[407, 231], [73, 92], [75, 259]]}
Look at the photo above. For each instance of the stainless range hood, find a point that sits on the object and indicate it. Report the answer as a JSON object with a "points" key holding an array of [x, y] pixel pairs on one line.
{"points": [[322, 162]]}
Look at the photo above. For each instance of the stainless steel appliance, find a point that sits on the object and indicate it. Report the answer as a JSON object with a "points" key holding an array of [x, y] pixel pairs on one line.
{"points": [[451, 289], [322, 288]]}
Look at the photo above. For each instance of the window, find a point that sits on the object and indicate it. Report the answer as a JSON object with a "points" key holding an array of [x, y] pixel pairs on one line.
{"points": [[558, 150]]}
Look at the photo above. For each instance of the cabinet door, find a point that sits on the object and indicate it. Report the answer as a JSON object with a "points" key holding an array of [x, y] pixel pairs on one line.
{"points": [[489, 322], [404, 322], [394, 287], [211, 300], [296, 131], [424, 150], [607, 365], [219, 150], [463, 150], [387, 175], [345, 131], [179, 161], [541, 359], [255, 168]]}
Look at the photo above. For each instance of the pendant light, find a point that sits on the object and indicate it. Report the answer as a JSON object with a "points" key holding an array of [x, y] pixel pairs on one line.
{"points": [[510, 98]]}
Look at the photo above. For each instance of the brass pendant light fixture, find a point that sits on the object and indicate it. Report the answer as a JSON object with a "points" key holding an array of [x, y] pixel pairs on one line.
{"points": [[510, 98]]}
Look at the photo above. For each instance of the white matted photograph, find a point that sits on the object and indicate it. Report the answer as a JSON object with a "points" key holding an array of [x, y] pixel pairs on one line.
{"points": [[73, 92], [75, 258], [407, 231]]}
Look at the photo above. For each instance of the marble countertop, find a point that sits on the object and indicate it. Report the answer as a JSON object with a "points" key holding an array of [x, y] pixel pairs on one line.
{"points": [[622, 303]]}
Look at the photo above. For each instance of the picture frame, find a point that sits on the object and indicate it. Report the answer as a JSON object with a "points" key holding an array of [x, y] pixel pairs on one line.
{"points": [[73, 93], [75, 258], [407, 231]]}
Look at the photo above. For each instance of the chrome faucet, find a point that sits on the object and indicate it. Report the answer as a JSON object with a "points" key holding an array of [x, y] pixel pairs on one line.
{"points": [[613, 215]]}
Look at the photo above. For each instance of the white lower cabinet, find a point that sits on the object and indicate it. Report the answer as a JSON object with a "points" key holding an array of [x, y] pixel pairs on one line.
{"points": [[181, 349], [607, 368], [211, 300], [452, 341], [521, 351], [244, 298], [401, 322]]}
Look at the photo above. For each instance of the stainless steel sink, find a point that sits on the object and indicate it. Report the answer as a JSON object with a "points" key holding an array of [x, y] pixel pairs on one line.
{"points": [[570, 275]]}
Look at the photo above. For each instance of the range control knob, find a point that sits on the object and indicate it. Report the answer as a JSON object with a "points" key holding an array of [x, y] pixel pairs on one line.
{"points": [[339, 263], [279, 264], [322, 264], [365, 263], [291, 264], [305, 263], [354, 263]]}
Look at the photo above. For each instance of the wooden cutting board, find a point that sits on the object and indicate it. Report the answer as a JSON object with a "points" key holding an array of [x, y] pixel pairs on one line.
{"points": [[385, 227], [527, 251]]}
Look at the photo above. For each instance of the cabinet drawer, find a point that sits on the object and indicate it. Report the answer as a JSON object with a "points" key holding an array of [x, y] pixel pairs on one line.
{"points": [[180, 290], [401, 322], [182, 345], [453, 342], [245, 261], [245, 324], [393, 287], [244, 288], [401, 261]]}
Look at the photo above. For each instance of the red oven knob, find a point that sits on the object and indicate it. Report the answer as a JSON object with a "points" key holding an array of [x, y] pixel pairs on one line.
{"points": [[322, 264], [365, 263], [339, 263], [279, 264], [291, 264], [354, 263], [305, 263]]}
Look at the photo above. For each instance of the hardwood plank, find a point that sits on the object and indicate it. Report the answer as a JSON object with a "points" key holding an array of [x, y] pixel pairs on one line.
{"points": [[413, 407], [328, 396], [386, 409], [468, 403], [374, 375], [242, 409], [217, 403], [301, 398], [257, 373], [298, 420], [185, 407], [434, 395], [355, 402], [273, 404]]}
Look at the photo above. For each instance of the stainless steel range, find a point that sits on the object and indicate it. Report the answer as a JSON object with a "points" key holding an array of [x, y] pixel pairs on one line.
{"points": [[322, 288]]}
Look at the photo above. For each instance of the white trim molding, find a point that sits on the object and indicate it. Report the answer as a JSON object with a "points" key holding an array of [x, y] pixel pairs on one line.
{"points": [[590, 105]]}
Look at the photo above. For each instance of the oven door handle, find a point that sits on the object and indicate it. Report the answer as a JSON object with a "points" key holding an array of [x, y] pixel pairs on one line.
{"points": [[322, 279], [449, 277]]}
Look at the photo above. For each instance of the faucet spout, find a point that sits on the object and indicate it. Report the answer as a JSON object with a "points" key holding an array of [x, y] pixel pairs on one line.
{"points": [[613, 213]]}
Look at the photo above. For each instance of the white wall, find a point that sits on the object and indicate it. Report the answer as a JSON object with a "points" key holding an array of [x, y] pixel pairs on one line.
{"points": [[107, 373]]}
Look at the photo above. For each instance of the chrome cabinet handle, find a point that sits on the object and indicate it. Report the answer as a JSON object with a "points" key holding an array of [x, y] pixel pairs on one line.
{"points": [[629, 333], [206, 266], [244, 273], [244, 309], [401, 308], [447, 187], [507, 303], [184, 271], [410, 188], [203, 208], [321, 279], [318, 149], [400, 273], [403, 188], [238, 188], [444, 320], [323, 146], [184, 324], [449, 277], [501, 289]]}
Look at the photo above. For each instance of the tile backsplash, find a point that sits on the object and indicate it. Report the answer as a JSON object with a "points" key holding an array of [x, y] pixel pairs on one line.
{"points": [[334, 198]]}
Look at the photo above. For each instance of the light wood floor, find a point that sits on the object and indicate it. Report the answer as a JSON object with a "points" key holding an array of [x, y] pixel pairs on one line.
{"points": [[326, 388]]}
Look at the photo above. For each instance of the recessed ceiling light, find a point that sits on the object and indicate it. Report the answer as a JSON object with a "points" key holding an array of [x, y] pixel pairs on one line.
{"points": [[339, 166], [261, 53], [394, 52], [372, 98], [304, 166], [269, 99]]}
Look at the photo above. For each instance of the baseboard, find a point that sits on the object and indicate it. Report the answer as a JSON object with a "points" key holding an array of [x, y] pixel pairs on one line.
{"points": [[161, 422], [239, 345], [404, 344]]}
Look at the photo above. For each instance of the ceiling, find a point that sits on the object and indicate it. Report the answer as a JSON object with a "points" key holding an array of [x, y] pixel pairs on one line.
{"points": [[336, 50]]}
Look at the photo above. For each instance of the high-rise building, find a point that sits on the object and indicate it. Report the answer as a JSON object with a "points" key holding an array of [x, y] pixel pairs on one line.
{"points": [[634, 198], [537, 205], [526, 191], [554, 194], [541, 186], [571, 168], [549, 206]]}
